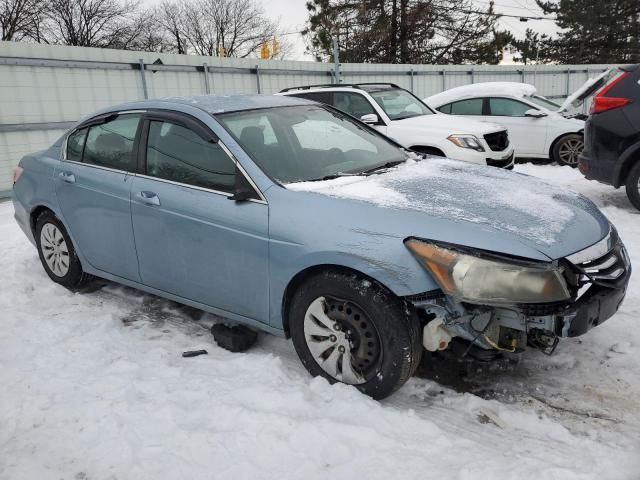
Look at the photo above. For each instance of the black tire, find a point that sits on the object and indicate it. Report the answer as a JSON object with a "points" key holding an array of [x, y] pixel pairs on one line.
{"points": [[74, 277], [633, 185], [567, 148], [396, 327]]}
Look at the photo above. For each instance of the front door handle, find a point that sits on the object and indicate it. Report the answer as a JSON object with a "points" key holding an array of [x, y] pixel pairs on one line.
{"points": [[67, 177], [148, 198]]}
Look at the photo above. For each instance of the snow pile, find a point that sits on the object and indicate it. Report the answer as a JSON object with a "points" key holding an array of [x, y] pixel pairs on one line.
{"points": [[461, 191], [94, 387]]}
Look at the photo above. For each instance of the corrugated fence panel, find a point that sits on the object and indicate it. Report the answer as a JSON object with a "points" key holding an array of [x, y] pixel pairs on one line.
{"points": [[43, 85]]}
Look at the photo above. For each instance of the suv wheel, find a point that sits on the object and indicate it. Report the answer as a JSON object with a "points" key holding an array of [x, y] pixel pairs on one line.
{"points": [[633, 185], [348, 329], [567, 149], [56, 252]]}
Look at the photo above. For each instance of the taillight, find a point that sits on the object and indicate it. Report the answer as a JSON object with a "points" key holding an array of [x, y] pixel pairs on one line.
{"points": [[16, 174], [602, 103]]}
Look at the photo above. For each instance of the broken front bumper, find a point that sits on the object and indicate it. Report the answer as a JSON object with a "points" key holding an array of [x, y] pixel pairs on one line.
{"points": [[600, 273]]}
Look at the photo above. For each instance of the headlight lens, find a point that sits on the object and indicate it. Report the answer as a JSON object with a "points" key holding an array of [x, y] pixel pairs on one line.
{"points": [[474, 279], [466, 141]]}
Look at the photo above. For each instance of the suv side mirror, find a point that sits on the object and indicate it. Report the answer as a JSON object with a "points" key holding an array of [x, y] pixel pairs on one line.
{"points": [[242, 190], [532, 112], [370, 119]]}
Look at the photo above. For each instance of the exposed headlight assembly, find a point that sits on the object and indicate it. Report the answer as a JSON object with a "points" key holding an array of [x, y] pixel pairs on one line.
{"points": [[479, 278], [466, 141]]}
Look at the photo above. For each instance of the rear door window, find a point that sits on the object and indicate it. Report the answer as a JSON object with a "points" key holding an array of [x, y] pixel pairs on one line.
{"points": [[179, 154], [75, 145], [352, 103], [472, 106], [110, 144], [505, 107]]}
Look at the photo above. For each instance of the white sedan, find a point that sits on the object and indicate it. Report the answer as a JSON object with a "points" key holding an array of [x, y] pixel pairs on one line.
{"points": [[538, 127]]}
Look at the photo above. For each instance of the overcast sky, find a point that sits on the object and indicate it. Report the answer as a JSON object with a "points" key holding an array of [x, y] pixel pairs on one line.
{"points": [[293, 15]]}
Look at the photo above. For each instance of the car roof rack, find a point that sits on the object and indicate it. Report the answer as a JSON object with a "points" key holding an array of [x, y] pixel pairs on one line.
{"points": [[338, 85]]}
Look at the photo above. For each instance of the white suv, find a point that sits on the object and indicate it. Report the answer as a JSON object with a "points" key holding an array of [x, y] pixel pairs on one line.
{"points": [[402, 116]]}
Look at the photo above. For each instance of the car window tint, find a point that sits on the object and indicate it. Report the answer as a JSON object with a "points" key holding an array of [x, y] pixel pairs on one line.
{"points": [[179, 154], [352, 103], [75, 144], [445, 108], [110, 144], [505, 107], [472, 106], [328, 135]]}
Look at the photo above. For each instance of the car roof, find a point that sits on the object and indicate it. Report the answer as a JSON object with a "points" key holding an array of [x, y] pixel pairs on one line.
{"points": [[510, 89], [213, 104]]}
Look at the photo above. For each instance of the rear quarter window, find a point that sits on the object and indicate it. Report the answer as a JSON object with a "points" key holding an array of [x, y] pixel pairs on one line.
{"points": [[75, 145]]}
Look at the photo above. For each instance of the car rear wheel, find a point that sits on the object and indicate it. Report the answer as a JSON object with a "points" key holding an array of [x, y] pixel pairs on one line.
{"points": [[348, 329], [567, 149], [56, 252], [633, 185]]}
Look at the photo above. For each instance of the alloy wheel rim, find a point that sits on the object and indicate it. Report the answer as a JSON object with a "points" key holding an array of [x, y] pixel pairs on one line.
{"points": [[54, 249], [342, 340], [570, 150]]}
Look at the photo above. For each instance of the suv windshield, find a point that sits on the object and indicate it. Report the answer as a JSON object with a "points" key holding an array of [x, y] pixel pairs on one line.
{"points": [[309, 142], [544, 102], [399, 104]]}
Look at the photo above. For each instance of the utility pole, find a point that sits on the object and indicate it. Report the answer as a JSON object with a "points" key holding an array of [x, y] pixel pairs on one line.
{"points": [[336, 60]]}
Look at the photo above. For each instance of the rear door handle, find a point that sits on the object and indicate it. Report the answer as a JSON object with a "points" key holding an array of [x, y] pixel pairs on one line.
{"points": [[67, 177], [148, 198]]}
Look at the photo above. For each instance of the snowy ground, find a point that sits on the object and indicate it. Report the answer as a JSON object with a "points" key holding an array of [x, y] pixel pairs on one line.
{"points": [[92, 386]]}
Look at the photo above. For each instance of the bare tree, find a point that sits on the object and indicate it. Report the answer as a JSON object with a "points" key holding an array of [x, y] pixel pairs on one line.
{"points": [[17, 17], [170, 17], [233, 28], [88, 23]]}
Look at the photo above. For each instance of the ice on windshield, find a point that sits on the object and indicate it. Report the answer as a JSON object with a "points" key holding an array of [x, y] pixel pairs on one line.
{"points": [[440, 187]]}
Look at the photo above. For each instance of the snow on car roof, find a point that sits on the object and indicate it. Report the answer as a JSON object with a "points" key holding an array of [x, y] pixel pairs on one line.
{"points": [[481, 89]]}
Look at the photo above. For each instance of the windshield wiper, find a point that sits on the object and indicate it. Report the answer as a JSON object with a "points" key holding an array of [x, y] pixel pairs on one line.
{"points": [[332, 176], [381, 167]]}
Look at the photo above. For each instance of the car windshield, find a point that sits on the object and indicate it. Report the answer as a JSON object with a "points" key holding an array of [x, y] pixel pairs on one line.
{"points": [[544, 102], [309, 142], [399, 104]]}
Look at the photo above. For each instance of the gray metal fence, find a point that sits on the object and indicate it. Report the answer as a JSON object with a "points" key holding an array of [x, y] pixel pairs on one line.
{"points": [[44, 89]]}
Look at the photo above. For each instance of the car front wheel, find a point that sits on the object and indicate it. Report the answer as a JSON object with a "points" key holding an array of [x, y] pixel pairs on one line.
{"points": [[633, 185], [567, 150], [349, 329]]}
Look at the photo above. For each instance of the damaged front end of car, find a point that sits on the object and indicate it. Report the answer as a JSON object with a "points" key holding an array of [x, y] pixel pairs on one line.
{"points": [[500, 304]]}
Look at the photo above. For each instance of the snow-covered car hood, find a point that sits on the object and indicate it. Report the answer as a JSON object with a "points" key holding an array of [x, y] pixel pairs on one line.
{"points": [[471, 205], [449, 125]]}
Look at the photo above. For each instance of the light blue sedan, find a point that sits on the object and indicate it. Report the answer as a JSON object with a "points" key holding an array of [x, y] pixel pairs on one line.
{"points": [[293, 218]]}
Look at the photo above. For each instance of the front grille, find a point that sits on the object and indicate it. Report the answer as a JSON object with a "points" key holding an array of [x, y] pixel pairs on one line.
{"points": [[505, 163], [497, 141], [606, 269]]}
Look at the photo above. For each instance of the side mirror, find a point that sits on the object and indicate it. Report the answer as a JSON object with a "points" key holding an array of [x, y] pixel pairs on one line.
{"points": [[243, 190], [532, 112], [370, 119]]}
